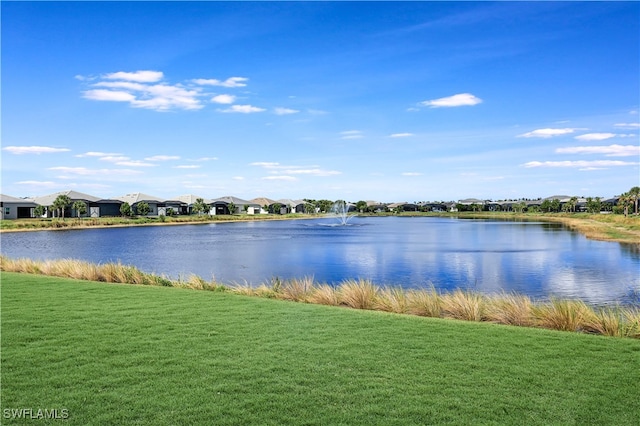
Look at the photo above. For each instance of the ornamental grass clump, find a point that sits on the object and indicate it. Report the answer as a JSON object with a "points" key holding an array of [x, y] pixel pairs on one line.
{"points": [[297, 290], [464, 305], [608, 321], [510, 309], [324, 294], [632, 323], [564, 315], [392, 299], [425, 302], [358, 294]]}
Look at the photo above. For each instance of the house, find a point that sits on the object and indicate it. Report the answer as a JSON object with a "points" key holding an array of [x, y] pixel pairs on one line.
{"points": [[291, 206], [105, 208], [48, 200], [187, 203], [16, 208], [156, 205], [222, 205], [264, 203], [403, 207], [376, 206]]}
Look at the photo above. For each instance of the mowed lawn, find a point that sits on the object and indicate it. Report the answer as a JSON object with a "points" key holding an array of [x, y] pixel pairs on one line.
{"points": [[124, 354]]}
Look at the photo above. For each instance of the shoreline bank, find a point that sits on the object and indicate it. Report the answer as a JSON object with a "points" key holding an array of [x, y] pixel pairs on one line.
{"points": [[613, 228]]}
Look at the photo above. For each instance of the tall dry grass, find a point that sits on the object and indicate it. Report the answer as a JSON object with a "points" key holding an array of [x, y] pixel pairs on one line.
{"points": [[358, 294], [564, 315], [509, 309], [297, 290], [632, 323], [464, 305], [324, 294], [425, 302], [392, 299], [77, 269]]}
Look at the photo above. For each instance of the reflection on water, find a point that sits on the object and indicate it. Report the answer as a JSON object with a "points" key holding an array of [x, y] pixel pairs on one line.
{"points": [[538, 259]]}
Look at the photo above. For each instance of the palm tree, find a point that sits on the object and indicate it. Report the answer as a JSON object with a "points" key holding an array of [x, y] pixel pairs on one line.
{"points": [[199, 206], [80, 207], [635, 194], [625, 201], [61, 203]]}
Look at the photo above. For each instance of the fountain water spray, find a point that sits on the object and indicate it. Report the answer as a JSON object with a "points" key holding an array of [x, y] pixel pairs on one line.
{"points": [[340, 210]]}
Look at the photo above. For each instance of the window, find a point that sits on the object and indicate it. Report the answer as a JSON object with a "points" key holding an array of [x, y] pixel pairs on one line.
{"points": [[7, 211]]}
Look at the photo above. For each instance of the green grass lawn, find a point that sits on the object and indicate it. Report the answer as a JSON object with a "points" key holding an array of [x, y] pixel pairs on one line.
{"points": [[123, 354]]}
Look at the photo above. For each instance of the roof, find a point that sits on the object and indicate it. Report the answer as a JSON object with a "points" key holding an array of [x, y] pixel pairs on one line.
{"points": [[138, 197], [9, 199], [189, 198], [290, 203], [47, 200], [263, 201], [235, 200]]}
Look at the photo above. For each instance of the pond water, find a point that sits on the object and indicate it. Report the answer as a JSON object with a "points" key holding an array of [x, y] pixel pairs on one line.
{"points": [[533, 258]]}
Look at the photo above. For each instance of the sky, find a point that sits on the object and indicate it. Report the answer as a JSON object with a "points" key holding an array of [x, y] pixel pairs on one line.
{"points": [[384, 101]]}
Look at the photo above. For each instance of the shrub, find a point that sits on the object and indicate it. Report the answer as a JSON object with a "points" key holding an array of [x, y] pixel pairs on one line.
{"points": [[510, 309], [464, 305], [392, 299], [297, 290], [426, 302], [565, 315], [358, 294], [324, 295]]}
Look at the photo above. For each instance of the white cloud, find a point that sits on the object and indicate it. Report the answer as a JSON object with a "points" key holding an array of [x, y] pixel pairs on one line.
{"points": [[628, 125], [609, 151], [280, 177], [461, 99], [19, 150], [108, 95], [265, 164], [162, 158], [42, 184], [207, 159], [230, 82], [127, 85], [285, 111], [401, 135], [224, 99], [187, 166], [547, 133], [278, 170], [83, 171], [312, 172], [135, 163], [411, 174], [581, 164], [114, 158], [351, 134], [139, 76], [97, 154], [595, 136], [238, 178], [244, 109], [141, 89]]}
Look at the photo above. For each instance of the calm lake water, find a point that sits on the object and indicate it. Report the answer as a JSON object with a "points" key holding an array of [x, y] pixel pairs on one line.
{"points": [[534, 258]]}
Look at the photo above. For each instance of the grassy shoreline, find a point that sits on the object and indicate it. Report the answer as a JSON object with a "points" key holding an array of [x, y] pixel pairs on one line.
{"points": [[118, 354], [507, 309], [615, 228]]}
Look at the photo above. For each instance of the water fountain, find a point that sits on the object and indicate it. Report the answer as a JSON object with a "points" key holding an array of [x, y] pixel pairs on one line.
{"points": [[340, 210]]}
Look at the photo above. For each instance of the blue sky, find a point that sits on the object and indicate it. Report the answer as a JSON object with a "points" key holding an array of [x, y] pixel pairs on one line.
{"points": [[386, 101]]}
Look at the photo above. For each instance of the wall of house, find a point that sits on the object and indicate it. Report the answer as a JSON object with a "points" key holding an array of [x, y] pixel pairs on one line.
{"points": [[16, 210]]}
